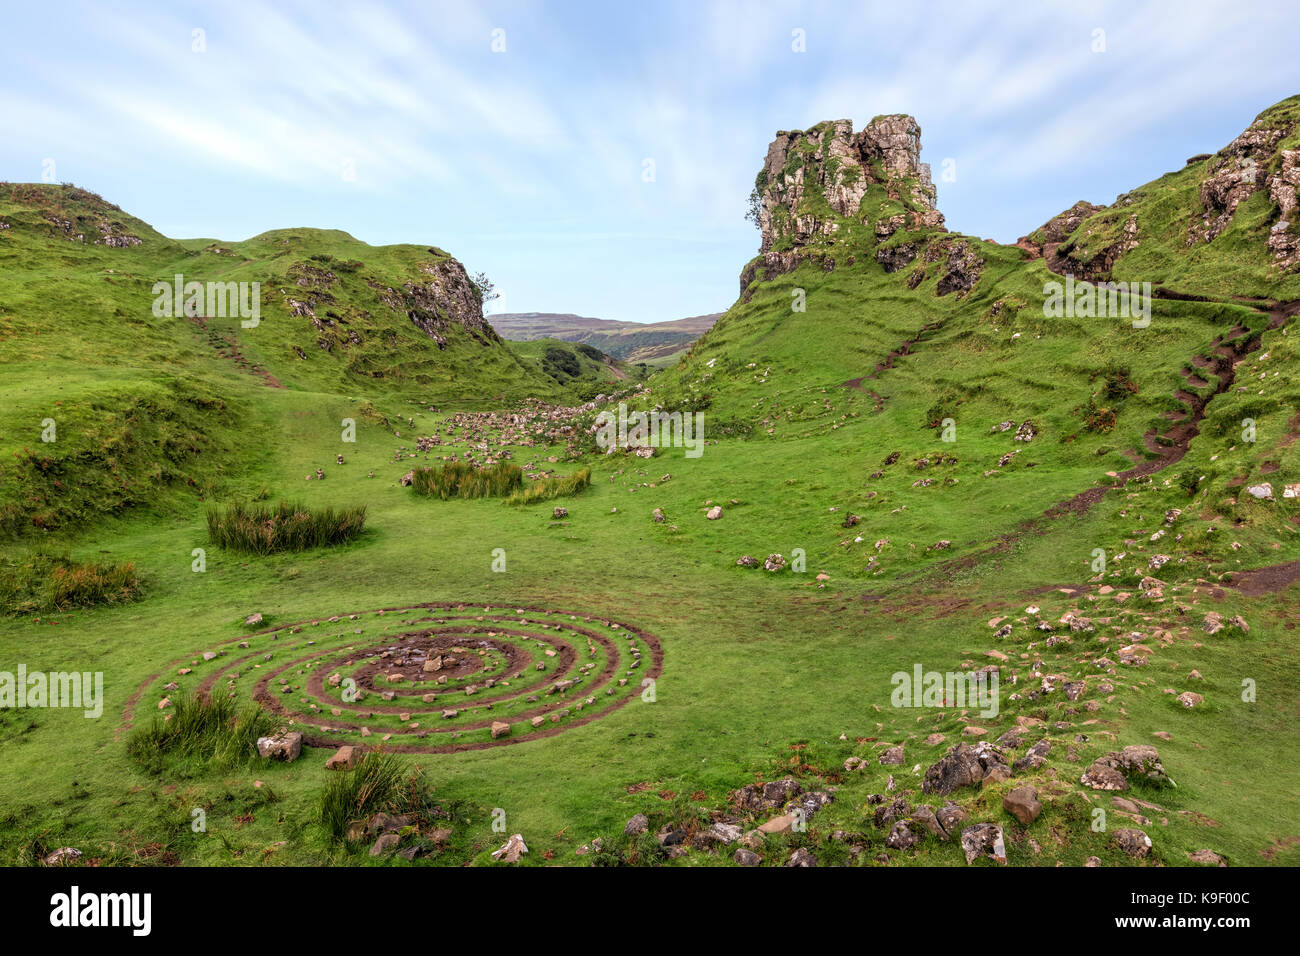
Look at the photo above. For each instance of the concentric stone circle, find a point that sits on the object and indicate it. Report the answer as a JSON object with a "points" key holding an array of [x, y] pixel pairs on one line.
{"points": [[425, 678]]}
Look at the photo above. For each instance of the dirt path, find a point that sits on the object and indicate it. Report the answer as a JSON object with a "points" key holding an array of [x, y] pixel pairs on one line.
{"points": [[228, 349], [1264, 581], [904, 349]]}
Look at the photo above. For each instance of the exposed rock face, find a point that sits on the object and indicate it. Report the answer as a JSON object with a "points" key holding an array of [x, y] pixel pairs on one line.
{"points": [[445, 298], [1235, 173], [1113, 770], [963, 270], [1284, 190], [831, 167]]}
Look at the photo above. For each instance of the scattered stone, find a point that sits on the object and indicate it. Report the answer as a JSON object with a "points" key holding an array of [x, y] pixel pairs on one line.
{"points": [[892, 757], [512, 850], [901, 836], [802, 858]]}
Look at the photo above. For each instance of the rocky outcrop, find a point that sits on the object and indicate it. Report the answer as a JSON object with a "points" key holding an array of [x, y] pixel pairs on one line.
{"points": [[813, 182], [1284, 190], [1236, 172], [965, 766], [445, 298], [1057, 228]]}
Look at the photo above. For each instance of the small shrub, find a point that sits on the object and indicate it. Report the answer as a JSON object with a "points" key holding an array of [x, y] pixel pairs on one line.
{"points": [[1097, 418], [1117, 382], [287, 527]]}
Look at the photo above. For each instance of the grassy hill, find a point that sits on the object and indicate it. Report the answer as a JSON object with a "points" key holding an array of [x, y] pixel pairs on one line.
{"points": [[148, 398]]}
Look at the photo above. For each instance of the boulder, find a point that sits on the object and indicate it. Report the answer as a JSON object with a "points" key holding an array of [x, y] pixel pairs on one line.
{"points": [[901, 836], [802, 858], [1023, 804], [345, 758], [284, 745], [62, 856], [384, 842], [963, 766], [1134, 842], [983, 840]]}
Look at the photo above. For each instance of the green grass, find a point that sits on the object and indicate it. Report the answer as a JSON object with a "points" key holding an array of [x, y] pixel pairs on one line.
{"points": [[201, 730], [381, 782]]}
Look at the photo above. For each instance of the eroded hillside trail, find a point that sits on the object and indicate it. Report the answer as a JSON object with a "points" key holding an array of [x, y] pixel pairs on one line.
{"points": [[228, 349], [1162, 449], [904, 349]]}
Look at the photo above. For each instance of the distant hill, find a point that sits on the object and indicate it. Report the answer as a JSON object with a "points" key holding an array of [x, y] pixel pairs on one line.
{"points": [[583, 368], [654, 343]]}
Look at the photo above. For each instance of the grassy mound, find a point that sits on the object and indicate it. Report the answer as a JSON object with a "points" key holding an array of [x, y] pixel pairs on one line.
{"points": [[382, 782]]}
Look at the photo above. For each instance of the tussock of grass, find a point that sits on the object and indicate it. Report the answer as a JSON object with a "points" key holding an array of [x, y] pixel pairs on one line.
{"points": [[548, 488], [287, 527], [42, 583], [462, 480], [203, 728], [381, 782]]}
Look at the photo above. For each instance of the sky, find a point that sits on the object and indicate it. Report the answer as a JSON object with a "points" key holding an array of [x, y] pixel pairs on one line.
{"points": [[596, 157]]}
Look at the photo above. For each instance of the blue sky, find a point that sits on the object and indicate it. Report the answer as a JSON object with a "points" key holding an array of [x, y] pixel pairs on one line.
{"points": [[399, 122]]}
